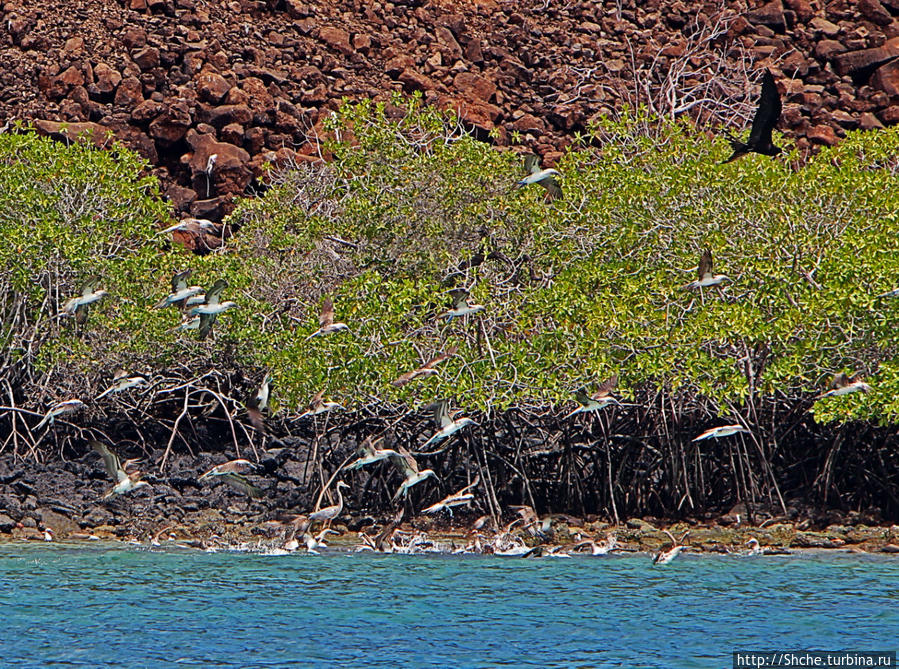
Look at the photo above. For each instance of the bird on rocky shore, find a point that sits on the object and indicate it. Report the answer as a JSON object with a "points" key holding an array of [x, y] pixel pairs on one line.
{"points": [[664, 557], [408, 467], [370, 454], [60, 409], [598, 547], [598, 400], [319, 405], [546, 178], [460, 305], [721, 431], [705, 277], [259, 403], [79, 306], [329, 513], [212, 307], [427, 369], [766, 117], [181, 292], [121, 382], [125, 482], [326, 321], [231, 472], [843, 384], [448, 426], [458, 498]]}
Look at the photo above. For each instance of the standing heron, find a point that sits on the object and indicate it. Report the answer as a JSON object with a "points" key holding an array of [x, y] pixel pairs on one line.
{"points": [[329, 513]]}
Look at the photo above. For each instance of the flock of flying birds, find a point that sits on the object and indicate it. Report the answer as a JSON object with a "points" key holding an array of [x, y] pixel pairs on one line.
{"points": [[201, 308]]}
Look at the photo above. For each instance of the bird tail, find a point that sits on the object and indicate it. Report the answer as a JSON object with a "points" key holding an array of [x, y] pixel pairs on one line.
{"points": [[740, 149]]}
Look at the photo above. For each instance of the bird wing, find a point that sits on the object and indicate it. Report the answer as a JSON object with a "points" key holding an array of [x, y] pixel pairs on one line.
{"points": [[440, 357], [441, 413], [403, 379], [119, 374], [327, 315], [460, 297], [179, 280], [240, 483], [367, 447], [841, 380], [316, 400], [404, 462], [111, 460], [89, 285], [705, 264], [215, 291], [531, 163], [206, 322], [768, 112], [582, 397], [81, 313], [607, 387], [552, 186]]}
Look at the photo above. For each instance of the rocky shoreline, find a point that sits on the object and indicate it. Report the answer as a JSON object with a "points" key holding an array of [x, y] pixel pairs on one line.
{"points": [[64, 502], [251, 82]]}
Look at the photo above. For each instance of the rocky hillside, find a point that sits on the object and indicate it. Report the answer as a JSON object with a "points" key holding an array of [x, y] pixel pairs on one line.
{"points": [[210, 91]]}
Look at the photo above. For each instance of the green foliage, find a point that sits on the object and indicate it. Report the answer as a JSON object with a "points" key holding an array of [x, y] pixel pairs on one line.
{"points": [[575, 289]]}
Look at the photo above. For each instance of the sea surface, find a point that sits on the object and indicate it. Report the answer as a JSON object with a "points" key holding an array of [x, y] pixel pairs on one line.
{"points": [[116, 606]]}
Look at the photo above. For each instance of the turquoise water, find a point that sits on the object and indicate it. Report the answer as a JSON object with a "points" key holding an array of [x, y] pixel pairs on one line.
{"points": [[97, 606]]}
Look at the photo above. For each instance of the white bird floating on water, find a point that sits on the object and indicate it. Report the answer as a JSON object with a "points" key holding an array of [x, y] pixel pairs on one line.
{"points": [[448, 426], [461, 306], [121, 382], [181, 293], [60, 409], [598, 400], [125, 482], [408, 467], [326, 321], [664, 557], [79, 306], [546, 178], [705, 277], [843, 384], [721, 431]]}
